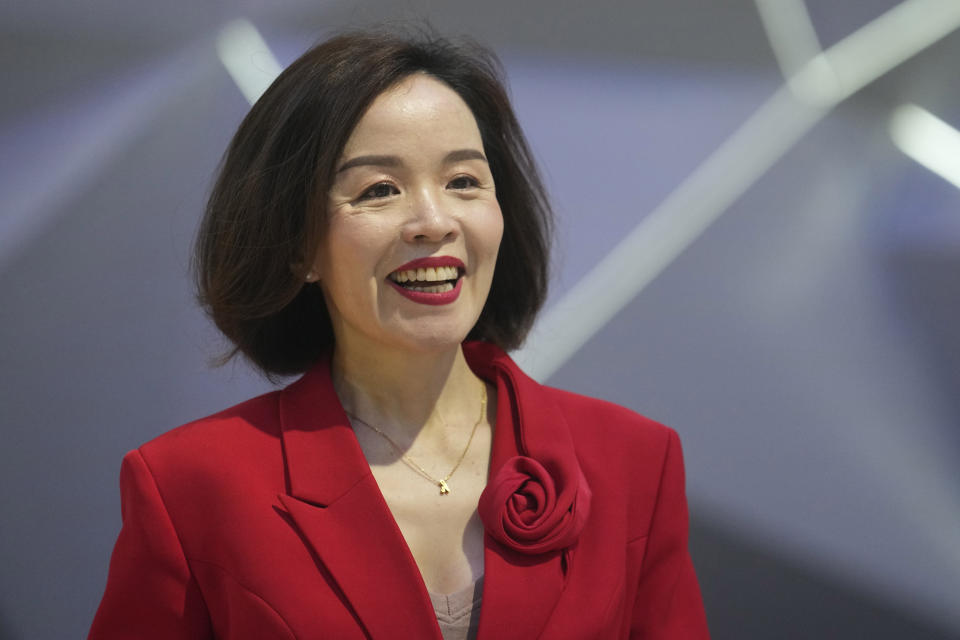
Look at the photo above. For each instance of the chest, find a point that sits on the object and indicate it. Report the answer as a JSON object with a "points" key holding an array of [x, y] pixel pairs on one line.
{"points": [[337, 569], [443, 532]]}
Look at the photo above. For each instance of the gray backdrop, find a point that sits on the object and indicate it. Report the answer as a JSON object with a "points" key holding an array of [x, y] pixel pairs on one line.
{"points": [[806, 346]]}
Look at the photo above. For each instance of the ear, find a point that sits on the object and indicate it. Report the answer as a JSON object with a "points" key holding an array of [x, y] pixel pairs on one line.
{"points": [[310, 276], [308, 267]]}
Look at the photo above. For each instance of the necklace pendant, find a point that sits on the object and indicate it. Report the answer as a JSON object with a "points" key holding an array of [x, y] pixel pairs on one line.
{"points": [[444, 489]]}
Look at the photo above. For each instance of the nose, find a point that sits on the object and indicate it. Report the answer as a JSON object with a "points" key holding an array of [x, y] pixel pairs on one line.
{"points": [[430, 219]]}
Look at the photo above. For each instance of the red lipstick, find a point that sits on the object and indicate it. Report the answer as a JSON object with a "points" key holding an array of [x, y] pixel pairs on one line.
{"points": [[424, 297], [429, 298]]}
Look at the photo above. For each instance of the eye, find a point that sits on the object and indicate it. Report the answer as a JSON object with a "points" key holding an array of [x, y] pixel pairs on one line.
{"points": [[379, 190], [463, 182]]}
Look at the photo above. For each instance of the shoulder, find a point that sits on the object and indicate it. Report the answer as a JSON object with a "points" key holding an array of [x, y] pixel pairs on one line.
{"points": [[611, 435], [226, 467], [597, 422], [236, 440], [619, 448], [250, 420], [590, 420], [609, 439], [631, 462]]}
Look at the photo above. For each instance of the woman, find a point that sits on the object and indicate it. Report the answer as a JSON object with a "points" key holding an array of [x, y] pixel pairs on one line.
{"points": [[378, 225]]}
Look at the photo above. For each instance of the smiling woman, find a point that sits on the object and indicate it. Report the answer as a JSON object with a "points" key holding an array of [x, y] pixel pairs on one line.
{"points": [[414, 194], [272, 204], [378, 226]]}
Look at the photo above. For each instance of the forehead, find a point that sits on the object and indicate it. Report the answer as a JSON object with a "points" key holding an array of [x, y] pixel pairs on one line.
{"points": [[418, 109]]}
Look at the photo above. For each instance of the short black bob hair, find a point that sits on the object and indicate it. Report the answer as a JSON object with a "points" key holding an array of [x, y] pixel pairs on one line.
{"points": [[268, 208]]}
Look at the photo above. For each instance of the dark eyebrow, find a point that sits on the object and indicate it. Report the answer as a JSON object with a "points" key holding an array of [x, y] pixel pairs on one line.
{"points": [[459, 155], [376, 161], [464, 154]]}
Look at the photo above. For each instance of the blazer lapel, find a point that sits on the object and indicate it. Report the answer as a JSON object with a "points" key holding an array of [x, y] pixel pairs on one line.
{"points": [[520, 591], [337, 506]]}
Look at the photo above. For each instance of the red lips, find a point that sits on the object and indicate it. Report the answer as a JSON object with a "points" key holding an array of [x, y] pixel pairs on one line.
{"points": [[429, 298], [423, 297]]}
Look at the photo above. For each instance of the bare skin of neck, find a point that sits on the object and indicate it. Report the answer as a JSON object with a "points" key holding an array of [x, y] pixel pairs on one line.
{"points": [[406, 392], [427, 403]]}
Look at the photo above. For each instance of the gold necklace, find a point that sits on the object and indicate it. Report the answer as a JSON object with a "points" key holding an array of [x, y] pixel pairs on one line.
{"points": [[442, 483]]}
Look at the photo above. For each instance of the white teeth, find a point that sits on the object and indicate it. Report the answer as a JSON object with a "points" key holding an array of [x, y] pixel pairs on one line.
{"points": [[429, 274]]}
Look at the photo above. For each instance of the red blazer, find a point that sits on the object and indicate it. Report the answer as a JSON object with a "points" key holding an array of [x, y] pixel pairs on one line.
{"points": [[264, 521]]}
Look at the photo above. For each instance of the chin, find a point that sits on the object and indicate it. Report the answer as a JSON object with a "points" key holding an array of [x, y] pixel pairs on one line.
{"points": [[435, 339], [434, 343]]}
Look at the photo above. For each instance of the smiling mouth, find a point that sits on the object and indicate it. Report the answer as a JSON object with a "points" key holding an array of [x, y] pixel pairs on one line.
{"points": [[427, 280]]}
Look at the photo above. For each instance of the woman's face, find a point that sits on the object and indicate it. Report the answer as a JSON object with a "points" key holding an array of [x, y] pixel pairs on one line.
{"points": [[414, 225]]}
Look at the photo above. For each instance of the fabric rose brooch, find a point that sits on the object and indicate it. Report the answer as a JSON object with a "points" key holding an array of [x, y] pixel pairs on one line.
{"points": [[529, 510]]}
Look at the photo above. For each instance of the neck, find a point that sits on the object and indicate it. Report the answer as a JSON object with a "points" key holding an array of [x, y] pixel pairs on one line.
{"points": [[407, 393]]}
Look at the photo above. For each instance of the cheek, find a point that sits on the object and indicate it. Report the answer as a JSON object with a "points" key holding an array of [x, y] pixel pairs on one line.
{"points": [[494, 231], [350, 248]]}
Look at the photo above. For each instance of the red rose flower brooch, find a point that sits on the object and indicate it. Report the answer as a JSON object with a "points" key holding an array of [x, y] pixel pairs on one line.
{"points": [[530, 510]]}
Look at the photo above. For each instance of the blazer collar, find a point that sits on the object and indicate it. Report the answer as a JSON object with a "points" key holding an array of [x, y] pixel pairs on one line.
{"points": [[335, 502], [341, 515], [520, 591]]}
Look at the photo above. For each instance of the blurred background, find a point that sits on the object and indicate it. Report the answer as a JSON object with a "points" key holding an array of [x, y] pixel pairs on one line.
{"points": [[758, 244]]}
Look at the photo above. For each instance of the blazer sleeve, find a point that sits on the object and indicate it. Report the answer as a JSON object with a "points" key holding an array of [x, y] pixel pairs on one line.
{"points": [[150, 592], [668, 603]]}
